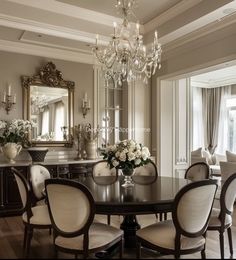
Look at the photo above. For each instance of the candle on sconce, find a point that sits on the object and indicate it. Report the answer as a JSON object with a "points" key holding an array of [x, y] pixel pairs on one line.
{"points": [[9, 90], [97, 39]]}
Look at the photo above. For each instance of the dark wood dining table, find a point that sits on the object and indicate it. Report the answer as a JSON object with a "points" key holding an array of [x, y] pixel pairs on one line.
{"points": [[148, 195]]}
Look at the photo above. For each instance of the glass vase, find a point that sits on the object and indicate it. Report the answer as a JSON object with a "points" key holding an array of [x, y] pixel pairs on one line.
{"points": [[127, 173]]}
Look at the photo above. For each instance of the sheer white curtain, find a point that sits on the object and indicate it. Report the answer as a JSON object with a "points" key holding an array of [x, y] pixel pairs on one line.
{"points": [[223, 121], [45, 121], [198, 129], [59, 120]]}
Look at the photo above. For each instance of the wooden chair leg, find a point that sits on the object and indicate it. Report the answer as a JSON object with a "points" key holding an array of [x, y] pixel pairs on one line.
{"points": [[203, 254], [25, 237], [161, 216], [121, 249], [221, 235], [109, 219], [28, 241], [230, 241], [138, 250], [165, 216]]}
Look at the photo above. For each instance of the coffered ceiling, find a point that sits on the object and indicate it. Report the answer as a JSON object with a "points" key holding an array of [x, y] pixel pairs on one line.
{"points": [[66, 29]]}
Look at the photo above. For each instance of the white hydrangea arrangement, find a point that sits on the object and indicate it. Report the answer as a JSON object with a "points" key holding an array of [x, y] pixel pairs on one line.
{"points": [[15, 131], [126, 154]]}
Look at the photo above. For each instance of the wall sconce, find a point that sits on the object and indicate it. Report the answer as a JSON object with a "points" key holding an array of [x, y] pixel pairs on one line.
{"points": [[8, 100], [85, 105]]}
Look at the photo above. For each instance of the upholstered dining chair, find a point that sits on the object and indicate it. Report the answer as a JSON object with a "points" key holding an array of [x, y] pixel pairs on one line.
{"points": [[33, 217], [149, 169], [100, 169], [221, 219], [185, 233], [72, 209], [198, 171], [38, 175]]}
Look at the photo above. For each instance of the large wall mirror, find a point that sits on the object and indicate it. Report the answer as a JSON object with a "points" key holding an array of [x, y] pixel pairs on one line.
{"points": [[48, 102]]}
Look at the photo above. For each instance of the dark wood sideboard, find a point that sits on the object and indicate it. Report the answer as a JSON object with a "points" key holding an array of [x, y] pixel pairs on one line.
{"points": [[10, 201]]}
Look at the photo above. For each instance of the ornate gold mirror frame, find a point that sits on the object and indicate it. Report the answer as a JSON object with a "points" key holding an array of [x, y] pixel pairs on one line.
{"points": [[48, 81]]}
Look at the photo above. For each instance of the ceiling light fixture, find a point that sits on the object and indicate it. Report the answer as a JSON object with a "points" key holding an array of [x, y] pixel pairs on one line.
{"points": [[126, 58]]}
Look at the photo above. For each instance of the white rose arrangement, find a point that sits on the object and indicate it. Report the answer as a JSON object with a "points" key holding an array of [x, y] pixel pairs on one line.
{"points": [[126, 154], [15, 131]]}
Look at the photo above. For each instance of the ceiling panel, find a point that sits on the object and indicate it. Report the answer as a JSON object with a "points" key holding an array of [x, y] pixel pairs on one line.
{"points": [[146, 9]]}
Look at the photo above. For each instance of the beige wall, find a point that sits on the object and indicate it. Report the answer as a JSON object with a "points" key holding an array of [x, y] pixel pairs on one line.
{"points": [[13, 66]]}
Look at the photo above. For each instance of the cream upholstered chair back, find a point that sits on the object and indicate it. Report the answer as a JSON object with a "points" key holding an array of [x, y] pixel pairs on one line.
{"points": [[197, 171], [101, 168], [23, 187], [228, 195], [227, 169], [148, 169], [192, 207], [71, 206], [38, 175]]}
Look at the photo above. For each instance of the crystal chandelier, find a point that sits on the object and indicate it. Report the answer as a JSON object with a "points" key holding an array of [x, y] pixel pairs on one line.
{"points": [[126, 57]]}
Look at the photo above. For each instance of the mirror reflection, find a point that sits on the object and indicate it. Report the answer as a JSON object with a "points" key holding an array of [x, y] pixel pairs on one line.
{"points": [[49, 112], [49, 102]]}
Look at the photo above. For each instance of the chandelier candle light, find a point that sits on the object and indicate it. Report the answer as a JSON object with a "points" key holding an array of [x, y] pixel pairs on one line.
{"points": [[8, 100], [126, 58]]}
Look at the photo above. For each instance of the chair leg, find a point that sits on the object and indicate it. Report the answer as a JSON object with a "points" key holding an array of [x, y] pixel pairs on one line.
{"points": [[28, 241], [221, 235], [230, 241], [121, 249], [138, 250], [161, 216], [25, 237], [50, 231], [109, 219], [203, 254], [165, 216]]}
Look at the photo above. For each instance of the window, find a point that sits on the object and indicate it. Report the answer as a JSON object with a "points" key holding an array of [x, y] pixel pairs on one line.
{"points": [[231, 124], [111, 113]]}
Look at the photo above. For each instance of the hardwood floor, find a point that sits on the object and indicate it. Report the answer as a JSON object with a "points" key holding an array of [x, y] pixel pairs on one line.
{"points": [[11, 241]]}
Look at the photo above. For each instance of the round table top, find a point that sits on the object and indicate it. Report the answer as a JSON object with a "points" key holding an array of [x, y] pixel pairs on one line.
{"points": [[148, 195]]}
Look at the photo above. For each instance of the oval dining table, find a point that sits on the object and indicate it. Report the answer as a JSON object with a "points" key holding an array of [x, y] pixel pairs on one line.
{"points": [[148, 195]]}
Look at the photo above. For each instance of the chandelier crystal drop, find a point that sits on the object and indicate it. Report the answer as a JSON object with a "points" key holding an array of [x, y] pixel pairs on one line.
{"points": [[126, 57]]}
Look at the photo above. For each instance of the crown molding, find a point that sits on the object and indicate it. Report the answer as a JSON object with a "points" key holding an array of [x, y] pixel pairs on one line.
{"points": [[201, 32], [53, 30], [169, 14], [48, 52]]}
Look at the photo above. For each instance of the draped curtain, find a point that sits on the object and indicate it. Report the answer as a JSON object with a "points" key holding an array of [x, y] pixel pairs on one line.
{"points": [[198, 133], [45, 121], [59, 120], [211, 100], [223, 131]]}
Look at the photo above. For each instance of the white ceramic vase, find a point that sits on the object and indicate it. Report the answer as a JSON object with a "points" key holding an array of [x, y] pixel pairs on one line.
{"points": [[10, 151], [91, 149]]}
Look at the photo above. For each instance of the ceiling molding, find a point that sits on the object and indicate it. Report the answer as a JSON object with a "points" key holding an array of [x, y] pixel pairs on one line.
{"points": [[69, 10], [52, 45], [44, 28], [42, 51], [214, 84], [169, 14], [201, 32]]}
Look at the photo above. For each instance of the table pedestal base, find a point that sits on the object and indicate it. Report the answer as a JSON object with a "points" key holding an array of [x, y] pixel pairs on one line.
{"points": [[130, 225]]}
